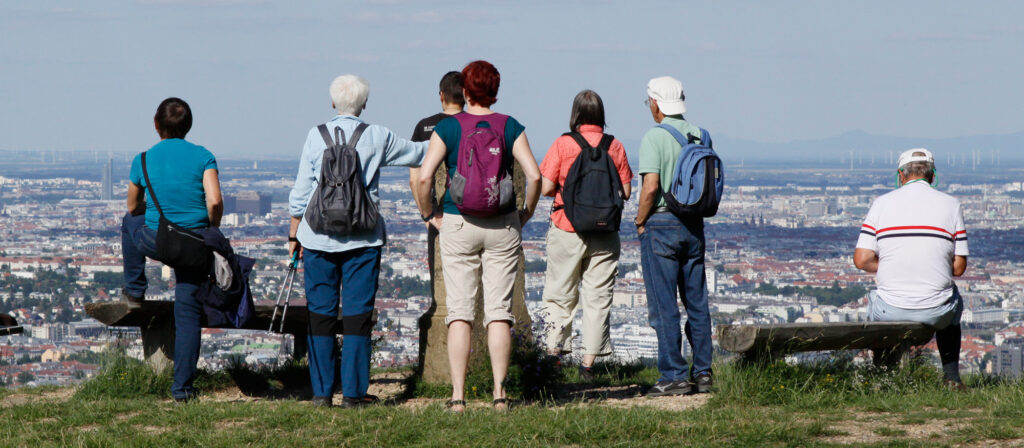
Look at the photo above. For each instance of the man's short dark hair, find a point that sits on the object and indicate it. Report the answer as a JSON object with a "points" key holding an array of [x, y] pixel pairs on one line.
{"points": [[173, 118], [451, 88], [587, 108]]}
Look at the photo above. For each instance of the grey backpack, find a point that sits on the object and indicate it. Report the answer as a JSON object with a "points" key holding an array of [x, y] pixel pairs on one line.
{"points": [[341, 205]]}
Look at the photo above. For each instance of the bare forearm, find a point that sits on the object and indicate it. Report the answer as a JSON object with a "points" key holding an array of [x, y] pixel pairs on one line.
{"points": [[422, 194], [646, 205], [414, 176], [293, 226], [959, 265], [215, 211], [866, 260], [532, 196]]}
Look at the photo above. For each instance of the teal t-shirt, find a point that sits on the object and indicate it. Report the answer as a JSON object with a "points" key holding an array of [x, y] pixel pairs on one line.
{"points": [[451, 133], [176, 168], [659, 151]]}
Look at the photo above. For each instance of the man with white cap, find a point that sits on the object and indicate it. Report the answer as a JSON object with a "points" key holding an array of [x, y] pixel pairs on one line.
{"points": [[915, 242], [672, 251]]}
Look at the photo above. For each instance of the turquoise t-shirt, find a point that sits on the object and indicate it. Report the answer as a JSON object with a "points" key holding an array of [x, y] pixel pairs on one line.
{"points": [[176, 168], [451, 133]]}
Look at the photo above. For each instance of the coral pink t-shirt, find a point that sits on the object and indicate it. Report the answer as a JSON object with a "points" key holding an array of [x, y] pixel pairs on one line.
{"points": [[563, 153]]}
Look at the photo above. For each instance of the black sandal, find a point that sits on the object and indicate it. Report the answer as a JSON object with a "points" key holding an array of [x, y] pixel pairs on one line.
{"points": [[452, 403], [501, 401]]}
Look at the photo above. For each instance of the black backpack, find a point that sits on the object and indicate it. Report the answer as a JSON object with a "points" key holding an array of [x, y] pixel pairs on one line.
{"points": [[341, 205], [592, 191]]}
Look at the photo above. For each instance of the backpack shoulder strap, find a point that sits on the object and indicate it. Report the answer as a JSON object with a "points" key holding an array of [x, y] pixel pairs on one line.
{"points": [[356, 134], [606, 142], [579, 140], [705, 138], [683, 141], [149, 185], [326, 135]]}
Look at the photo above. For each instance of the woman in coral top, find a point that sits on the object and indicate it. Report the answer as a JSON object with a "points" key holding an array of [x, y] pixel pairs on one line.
{"points": [[581, 268]]}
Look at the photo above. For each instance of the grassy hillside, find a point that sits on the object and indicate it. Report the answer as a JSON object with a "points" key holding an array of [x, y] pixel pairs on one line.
{"points": [[776, 405]]}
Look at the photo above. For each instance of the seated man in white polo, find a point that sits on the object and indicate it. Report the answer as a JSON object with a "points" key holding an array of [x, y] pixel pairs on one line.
{"points": [[915, 241]]}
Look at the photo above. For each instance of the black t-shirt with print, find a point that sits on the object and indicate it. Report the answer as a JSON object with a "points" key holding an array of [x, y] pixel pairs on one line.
{"points": [[425, 128]]}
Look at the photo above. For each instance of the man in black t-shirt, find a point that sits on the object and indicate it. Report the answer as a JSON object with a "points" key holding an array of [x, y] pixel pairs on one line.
{"points": [[452, 103]]}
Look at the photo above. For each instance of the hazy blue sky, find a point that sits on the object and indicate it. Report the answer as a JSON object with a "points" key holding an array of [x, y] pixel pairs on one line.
{"points": [[89, 74]]}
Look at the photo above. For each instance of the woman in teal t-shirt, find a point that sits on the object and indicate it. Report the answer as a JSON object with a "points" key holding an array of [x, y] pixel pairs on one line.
{"points": [[185, 182], [478, 252]]}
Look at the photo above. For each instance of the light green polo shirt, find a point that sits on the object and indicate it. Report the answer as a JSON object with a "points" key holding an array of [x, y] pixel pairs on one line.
{"points": [[659, 151]]}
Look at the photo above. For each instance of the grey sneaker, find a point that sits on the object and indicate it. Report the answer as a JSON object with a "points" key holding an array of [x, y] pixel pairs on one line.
{"points": [[702, 383], [666, 388]]}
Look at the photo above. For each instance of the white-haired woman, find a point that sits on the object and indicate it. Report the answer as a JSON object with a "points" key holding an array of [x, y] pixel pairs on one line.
{"points": [[350, 259]]}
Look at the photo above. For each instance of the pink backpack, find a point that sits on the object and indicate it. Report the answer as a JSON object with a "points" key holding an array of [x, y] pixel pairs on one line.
{"points": [[482, 182]]}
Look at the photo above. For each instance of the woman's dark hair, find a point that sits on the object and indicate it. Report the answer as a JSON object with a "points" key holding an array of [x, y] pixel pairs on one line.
{"points": [[481, 80], [587, 108], [451, 88], [173, 118]]}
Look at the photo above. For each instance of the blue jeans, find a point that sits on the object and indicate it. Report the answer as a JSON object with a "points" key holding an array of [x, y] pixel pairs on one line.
{"points": [[325, 273], [938, 318], [672, 257], [139, 242]]}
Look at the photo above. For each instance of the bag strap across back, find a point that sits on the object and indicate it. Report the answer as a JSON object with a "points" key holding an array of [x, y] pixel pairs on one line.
{"points": [[149, 186], [603, 145], [339, 135]]}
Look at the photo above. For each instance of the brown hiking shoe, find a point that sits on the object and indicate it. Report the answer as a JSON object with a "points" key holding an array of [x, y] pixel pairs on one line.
{"points": [[130, 299]]}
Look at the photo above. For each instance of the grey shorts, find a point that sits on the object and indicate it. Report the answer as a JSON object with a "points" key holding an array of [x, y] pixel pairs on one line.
{"points": [[938, 317]]}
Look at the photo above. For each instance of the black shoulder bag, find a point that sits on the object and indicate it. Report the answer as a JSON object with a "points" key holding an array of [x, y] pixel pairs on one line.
{"points": [[177, 247]]}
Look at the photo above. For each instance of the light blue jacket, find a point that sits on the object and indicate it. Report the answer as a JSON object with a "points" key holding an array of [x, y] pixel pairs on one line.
{"points": [[377, 147]]}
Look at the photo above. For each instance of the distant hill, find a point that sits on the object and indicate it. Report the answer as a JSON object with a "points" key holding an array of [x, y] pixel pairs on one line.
{"points": [[1007, 147]]}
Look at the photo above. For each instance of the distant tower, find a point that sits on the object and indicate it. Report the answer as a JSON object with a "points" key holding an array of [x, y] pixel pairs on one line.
{"points": [[107, 190]]}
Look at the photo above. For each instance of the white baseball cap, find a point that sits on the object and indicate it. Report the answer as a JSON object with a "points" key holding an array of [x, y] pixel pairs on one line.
{"points": [[668, 92], [909, 157]]}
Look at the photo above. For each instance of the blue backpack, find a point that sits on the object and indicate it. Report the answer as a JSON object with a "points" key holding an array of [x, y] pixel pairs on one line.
{"points": [[697, 179]]}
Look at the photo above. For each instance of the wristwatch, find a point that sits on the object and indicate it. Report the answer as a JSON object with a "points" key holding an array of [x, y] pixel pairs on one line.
{"points": [[427, 218], [292, 239]]}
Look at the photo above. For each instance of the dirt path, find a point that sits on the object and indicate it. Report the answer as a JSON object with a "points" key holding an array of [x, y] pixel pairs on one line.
{"points": [[54, 396]]}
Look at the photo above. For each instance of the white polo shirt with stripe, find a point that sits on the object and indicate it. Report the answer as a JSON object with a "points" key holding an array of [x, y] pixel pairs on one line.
{"points": [[915, 230]]}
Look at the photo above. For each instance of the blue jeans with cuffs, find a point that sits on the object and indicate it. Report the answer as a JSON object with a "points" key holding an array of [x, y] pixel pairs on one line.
{"points": [[672, 257]]}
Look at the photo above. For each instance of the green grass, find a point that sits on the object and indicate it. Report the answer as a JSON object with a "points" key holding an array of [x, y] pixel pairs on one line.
{"points": [[773, 405]]}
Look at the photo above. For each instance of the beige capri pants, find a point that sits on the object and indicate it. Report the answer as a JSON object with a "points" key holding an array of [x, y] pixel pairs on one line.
{"points": [[477, 251], [581, 274]]}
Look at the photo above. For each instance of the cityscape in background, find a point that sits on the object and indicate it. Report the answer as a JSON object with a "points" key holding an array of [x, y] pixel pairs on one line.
{"points": [[780, 250]]}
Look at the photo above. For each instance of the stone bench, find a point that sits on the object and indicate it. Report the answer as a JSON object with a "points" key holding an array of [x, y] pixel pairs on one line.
{"points": [[888, 341], [155, 320]]}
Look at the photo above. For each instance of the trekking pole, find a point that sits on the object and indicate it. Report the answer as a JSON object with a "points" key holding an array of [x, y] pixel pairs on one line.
{"points": [[293, 268], [285, 285]]}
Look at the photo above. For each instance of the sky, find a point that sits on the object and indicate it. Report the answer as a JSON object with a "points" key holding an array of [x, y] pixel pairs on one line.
{"points": [[88, 75]]}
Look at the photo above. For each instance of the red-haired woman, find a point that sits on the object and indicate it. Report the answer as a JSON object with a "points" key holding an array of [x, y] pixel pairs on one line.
{"points": [[479, 251]]}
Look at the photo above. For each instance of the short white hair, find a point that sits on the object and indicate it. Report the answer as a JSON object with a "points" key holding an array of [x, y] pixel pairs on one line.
{"points": [[349, 93]]}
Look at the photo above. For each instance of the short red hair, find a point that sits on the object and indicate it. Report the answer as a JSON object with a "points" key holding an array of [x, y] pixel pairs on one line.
{"points": [[481, 79]]}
